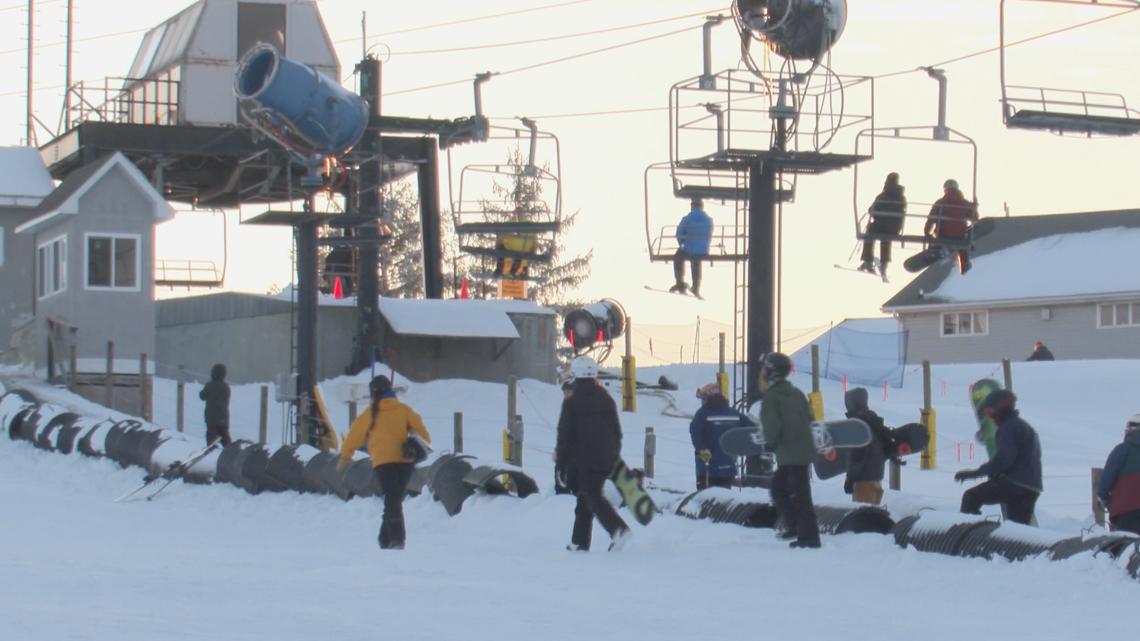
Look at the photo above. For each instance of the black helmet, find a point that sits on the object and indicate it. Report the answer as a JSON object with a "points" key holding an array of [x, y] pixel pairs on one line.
{"points": [[218, 372], [855, 400], [379, 385], [998, 402], [775, 365]]}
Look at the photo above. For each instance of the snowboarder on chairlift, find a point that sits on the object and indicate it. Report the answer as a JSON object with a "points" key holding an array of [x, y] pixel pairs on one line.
{"points": [[950, 218], [887, 214], [694, 233]]}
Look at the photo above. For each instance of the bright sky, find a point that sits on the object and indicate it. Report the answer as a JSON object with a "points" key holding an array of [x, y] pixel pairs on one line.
{"points": [[604, 156]]}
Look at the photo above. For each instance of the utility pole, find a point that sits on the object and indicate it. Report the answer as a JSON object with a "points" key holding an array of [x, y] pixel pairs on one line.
{"points": [[67, 65], [29, 131]]}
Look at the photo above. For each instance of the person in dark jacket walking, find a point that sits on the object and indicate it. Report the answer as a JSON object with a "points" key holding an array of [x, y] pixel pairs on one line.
{"points": [[713, 419], [694, 233], [1014, 472], [216, 393], [1119, 488], [589, 444], [950, 218], [865, 465], [785, 417], [887, 214], [1040, 353]]}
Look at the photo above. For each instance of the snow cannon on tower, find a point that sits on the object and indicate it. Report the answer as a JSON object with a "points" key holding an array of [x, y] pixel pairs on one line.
{"points": [[306, 112], [594, 327], [793, 29]]}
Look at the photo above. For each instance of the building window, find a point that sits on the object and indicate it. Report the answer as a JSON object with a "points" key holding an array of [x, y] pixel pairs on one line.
{"points": [[112, 262], [965, 324], [1118, 315], [51, 267]]}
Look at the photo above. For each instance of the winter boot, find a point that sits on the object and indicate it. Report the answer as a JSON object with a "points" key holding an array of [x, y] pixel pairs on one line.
{"points": [[804, 543], [620, 540], [679, 288]]}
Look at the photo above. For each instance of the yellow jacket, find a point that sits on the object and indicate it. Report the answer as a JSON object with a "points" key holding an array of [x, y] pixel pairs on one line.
{"points": [[386, 438]]}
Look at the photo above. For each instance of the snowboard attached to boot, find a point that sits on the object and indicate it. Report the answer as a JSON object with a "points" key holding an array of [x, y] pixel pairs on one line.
{"points": [[924, 258], [848, 432], [629, 484]]}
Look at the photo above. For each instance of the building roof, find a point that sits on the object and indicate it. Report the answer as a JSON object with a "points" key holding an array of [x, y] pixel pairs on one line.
{"points": [[1034, 260], [64, 200], [456, 318], [24, 178]]}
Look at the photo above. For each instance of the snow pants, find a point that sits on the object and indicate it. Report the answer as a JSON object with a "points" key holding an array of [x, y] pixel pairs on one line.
{"points": [[867, 492], [694, 269], [218, 431], [1019, 501], [591, 503], [393, 479], [1127, 522], [791, 494]]}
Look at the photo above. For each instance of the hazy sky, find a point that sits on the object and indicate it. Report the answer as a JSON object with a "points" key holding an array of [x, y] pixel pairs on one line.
{"points": [[604, 156]]}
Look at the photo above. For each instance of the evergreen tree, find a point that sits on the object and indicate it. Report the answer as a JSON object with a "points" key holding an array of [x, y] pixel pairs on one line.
{"points": [[402, 255]]}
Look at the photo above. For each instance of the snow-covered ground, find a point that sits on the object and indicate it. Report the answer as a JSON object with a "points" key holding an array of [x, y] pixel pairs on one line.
{"points": [[214, 562]]}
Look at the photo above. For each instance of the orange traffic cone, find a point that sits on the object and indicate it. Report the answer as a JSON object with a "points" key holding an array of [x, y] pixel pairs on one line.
{"points": [[338, 289]]}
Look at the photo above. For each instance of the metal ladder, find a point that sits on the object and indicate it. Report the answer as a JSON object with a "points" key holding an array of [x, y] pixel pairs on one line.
{"points": [[740, 296]]}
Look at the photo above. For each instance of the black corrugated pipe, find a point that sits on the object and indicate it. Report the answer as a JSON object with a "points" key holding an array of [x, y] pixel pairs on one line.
{"points": [[47, 435], [858, 519], [447, 485], [360, 479], [254, 468], [1112, 544], [943, 538], [287, 466], [723, 506], [230, 463], [14, 406], [311, 475]]}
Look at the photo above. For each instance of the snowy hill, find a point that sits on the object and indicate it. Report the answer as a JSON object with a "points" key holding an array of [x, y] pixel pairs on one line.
{"points": [[213, 561]]}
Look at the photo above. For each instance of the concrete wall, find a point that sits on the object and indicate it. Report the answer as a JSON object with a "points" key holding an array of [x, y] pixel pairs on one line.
{"points": [[115, 205], [17, 274], [1070, 332]]}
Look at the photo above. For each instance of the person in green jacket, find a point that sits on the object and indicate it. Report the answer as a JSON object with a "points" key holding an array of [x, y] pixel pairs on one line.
{"points": [[786, 419], [216, 393]]}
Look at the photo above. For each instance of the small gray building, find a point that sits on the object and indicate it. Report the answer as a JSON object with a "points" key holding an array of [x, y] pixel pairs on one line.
{"points": [[1071, 281]]}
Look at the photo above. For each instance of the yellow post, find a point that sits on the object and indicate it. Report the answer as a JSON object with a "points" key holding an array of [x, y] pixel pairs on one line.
{"points": [[628, 372], [928, 418], [721, 374], [815, 398]]}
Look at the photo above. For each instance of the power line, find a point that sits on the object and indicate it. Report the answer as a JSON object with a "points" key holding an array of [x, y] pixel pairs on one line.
{"points": [[468, 20], [61, 43], [551, 38]]}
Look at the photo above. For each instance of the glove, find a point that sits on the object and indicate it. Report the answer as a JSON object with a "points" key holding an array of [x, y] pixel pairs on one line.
{"points": [[705, 455], [965, 475], [342, 464]]}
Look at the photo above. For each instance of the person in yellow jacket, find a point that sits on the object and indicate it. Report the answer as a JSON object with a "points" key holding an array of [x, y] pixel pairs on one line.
{"points": [[385, 427]]}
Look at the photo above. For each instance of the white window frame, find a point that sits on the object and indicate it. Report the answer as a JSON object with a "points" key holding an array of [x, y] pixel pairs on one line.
{"points": [[1133, 313], [58, 268], [2, 234], [112, 287], [973, 323]]}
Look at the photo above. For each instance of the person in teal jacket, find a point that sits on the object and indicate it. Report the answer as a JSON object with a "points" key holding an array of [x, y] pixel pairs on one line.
{"points": [[785, 416], [694, 233]]}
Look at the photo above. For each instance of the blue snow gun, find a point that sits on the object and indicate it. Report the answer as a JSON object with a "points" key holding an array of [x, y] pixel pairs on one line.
{"points": [[303, 110]]}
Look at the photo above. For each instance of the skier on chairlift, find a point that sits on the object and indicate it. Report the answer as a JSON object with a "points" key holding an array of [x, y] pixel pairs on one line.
{"points": [[887, 214], [694, 233], [951, 218]]}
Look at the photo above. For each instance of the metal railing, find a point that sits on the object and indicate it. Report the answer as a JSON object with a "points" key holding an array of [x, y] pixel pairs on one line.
{"points": [[139, 101]]}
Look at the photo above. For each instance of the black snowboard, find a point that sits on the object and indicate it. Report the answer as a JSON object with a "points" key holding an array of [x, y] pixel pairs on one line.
{"points": [[924, 259], [911, 438]]}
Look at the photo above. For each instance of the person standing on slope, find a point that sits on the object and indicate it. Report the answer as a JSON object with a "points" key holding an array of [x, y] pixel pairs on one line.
{"points": [[216, 393], [785, 416], [385, 427], [712, 420], [866, 465], [1014, 472], [1119, 488], [589, 444]]}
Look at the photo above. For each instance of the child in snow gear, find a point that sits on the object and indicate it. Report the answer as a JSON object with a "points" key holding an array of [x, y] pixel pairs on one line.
{"points": [[785, 416], [865, 465], [589, 444], [886, 220], [950, 217], [1014, 472], [385, 428], [714, 466], [694, 233], [216, 393], [1119, 488]]}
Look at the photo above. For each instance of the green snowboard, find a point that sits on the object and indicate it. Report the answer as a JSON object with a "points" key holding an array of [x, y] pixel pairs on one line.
{"points": [[628, 483], [987, 430]]}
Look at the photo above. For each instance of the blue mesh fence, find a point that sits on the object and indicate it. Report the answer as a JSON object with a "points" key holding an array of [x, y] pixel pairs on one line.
{"points": [[865, 351]]}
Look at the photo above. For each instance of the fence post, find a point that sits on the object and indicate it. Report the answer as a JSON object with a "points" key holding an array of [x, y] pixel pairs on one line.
{"points": [[351, 412], [721, 372], [1007, 371], [144, 392], [72, 364], [895, 478], [1097, 508], [180, 410], [815, 398], [930, 420], [628, 372], [517, 434], [512, 398], [263, 416], [457, 433], [108, 380], [650, 451]]}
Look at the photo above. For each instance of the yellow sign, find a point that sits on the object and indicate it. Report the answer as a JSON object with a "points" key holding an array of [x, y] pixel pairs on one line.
{"points": [[510, 288]]}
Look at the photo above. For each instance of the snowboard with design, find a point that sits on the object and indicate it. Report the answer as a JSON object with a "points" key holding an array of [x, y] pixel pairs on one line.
{"points": [[849, 432], [833, 445], [987, 430], [629, 484]]}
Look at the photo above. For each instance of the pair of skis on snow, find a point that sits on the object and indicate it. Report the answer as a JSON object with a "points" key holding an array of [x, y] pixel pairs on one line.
{"points": [[172, 473]]}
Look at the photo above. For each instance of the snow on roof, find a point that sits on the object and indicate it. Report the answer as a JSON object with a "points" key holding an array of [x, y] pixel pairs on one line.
{"points": [[24, 179], [1104, 261], [455, 318]]}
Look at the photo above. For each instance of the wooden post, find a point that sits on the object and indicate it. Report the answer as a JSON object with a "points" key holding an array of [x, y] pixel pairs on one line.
{"points": [[72, 365], [180, 410], [895, 478], [929, 419], [352, 412], [457, 433], [517, 433], [144, 407], [628, 372], [1097, 508], [721, 372], [814, 367], [512, 399], [108, 377], [263, 416], [650, 451], [1007, 371]]}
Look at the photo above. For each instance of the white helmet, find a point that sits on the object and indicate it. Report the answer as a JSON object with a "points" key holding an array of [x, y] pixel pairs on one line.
{"points": [[1133, 423], [584, 367]]}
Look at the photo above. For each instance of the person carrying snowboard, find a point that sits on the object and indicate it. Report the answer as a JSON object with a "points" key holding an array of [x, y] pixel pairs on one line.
{"points": [[1119, 487], [1014, 472], [950, 218], [785, 417], [865, 465], [887, 214], [694, 233], [589, 444], [216, 393], [385, 427], [713, 419]]}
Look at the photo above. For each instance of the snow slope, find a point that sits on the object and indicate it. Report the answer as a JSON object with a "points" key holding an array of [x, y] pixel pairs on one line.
{"points": [[213, 562]]}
